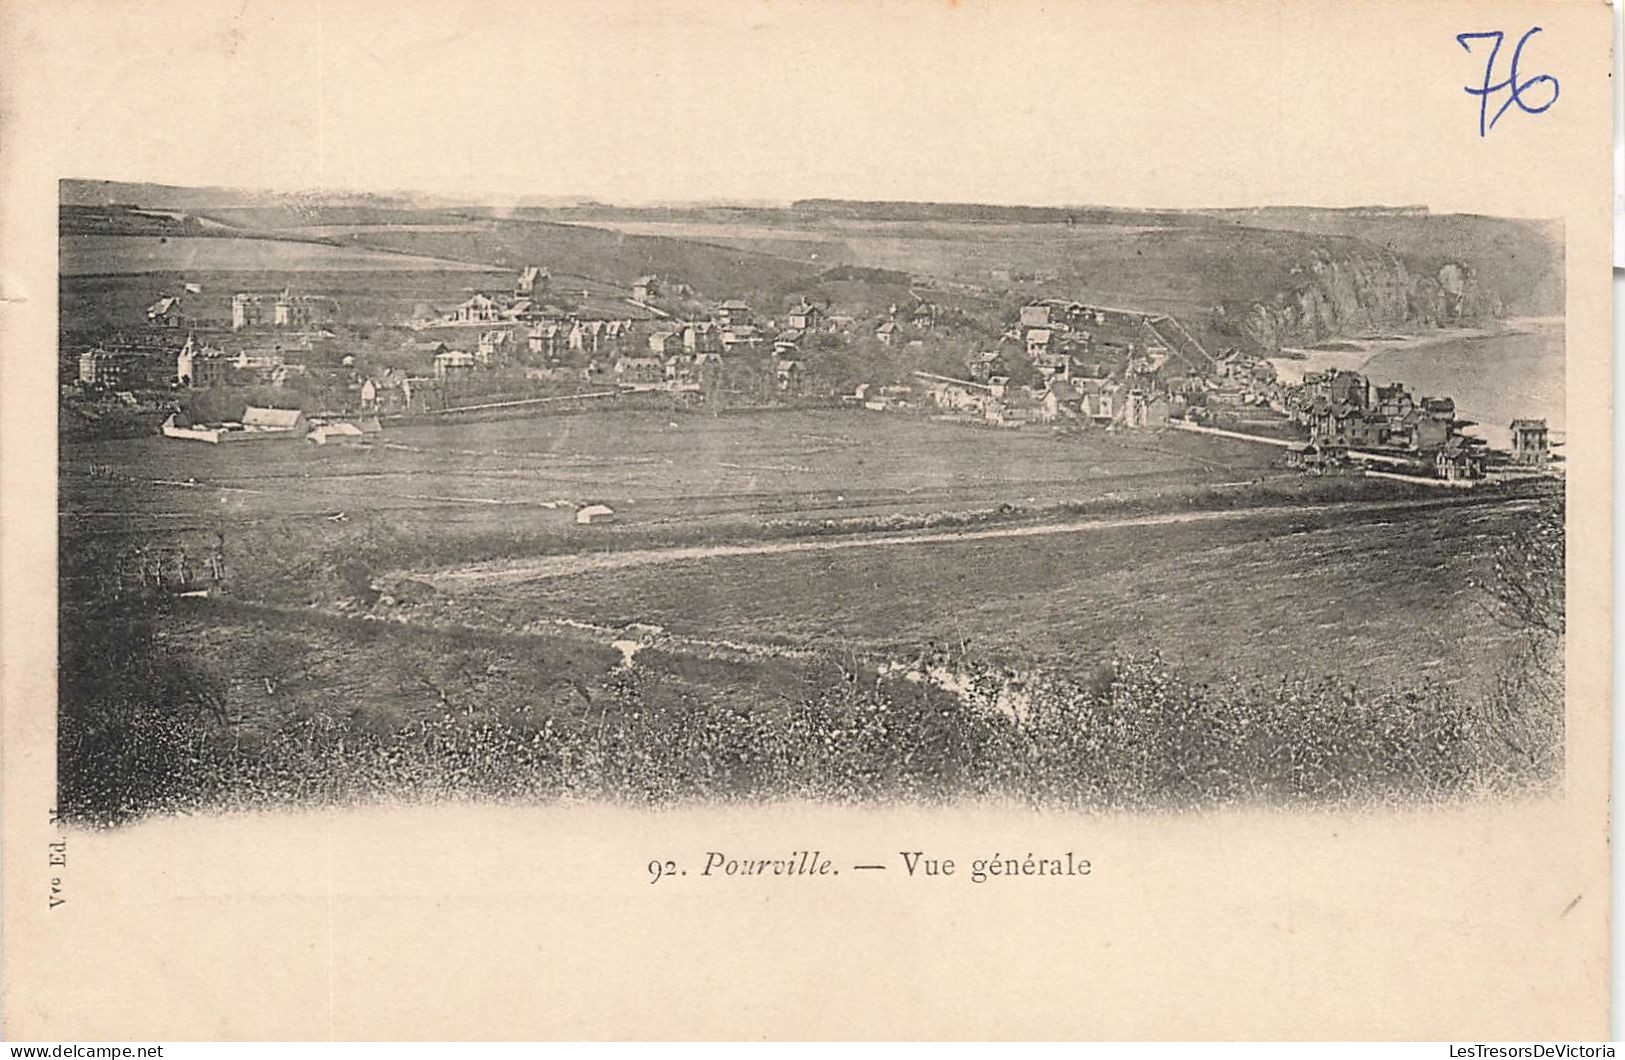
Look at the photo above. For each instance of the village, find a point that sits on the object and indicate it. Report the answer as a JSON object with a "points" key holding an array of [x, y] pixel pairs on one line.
{"points": [[1057, 364]]}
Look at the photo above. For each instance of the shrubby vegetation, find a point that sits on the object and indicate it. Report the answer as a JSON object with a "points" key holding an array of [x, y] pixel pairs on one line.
{"points": [[154, 718], [144, 729]]}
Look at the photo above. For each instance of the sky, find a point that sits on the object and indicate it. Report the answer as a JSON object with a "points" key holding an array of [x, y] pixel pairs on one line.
{"points": [[1174, 103]]}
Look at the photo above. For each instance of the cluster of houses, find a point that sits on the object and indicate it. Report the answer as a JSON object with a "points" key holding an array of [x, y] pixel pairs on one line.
{"points": [[1091, 365], [899, 325], [249, 309], [115, 369], [287, 309], [1350, 420], [203, 366], [196, 365], [1342, 408], [1124, 369], [629, 340], [1101, 401], [1052, 331]]}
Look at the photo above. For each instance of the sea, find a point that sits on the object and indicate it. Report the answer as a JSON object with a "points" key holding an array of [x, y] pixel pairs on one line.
{"points": [[1494, 376]]}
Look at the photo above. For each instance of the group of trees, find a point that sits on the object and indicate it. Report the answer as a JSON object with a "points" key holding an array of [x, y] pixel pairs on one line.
{"points": [[226, 403]]}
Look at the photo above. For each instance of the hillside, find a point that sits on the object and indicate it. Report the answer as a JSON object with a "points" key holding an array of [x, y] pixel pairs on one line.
{"points": [[299, 214], [1520, 262], [152, 196], [1267, 277], [76, 192], [984, 212], [609, 257]]}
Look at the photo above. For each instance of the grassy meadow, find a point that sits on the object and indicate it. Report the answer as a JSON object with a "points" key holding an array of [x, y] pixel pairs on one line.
{"points": [[669, 475], [910, 609], [1378, 595], [92, 304], [85, 254]]}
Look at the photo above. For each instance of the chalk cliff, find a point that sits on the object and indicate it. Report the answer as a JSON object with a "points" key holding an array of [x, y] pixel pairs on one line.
{"points": [[1353, 291]]}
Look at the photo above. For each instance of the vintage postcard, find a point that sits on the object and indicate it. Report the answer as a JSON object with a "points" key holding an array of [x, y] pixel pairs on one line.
{"points": [[806, 520]]}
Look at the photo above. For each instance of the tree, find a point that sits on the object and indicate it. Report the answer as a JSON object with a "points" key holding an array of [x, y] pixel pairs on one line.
{"points": [[1016, 365]]}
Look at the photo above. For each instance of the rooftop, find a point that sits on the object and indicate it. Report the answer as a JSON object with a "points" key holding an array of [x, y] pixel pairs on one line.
{"points": [[283, 419]]}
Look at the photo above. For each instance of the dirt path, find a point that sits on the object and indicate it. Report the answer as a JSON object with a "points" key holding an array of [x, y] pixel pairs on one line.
{"points": [[513, 572]]}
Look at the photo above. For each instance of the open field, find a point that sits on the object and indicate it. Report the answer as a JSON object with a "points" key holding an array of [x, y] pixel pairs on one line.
{"points": [[1276, 655], [715, 271], [423, 616], [1381, 583], [95, 254], [1377, 593], [1109, 264], [95, 303], [669, 476]]}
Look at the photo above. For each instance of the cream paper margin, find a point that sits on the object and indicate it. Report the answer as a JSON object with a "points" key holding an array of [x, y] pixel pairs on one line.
{"points": [[1474, 923]]}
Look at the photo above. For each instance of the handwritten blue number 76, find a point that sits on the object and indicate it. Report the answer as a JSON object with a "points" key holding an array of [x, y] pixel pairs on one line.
{"points": [[1513, 87]]}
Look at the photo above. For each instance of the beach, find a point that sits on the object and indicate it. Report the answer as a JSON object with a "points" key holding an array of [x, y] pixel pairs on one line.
{"points": [[1495, 374]]}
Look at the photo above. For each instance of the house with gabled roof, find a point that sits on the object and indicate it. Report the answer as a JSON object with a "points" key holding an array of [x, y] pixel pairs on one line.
{"points": [[453, 364], [548, 340], [640, 371], [586, 336], [493, 346], [1101, 400], [388, 392], [166, 312], [786, 343], [1035, 315], [1459, 459], [1015, 408], [532, 279], [256, 418], [788, 373], [665, 342], [1145, 410], [478, 309], [736, 335], [702, 336], [1038, 341], [1061, 399], [805, 316]]}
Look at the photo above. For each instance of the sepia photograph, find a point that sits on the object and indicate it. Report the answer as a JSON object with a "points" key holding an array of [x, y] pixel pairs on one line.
{"points": [[781, 520], [370, 497]]}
